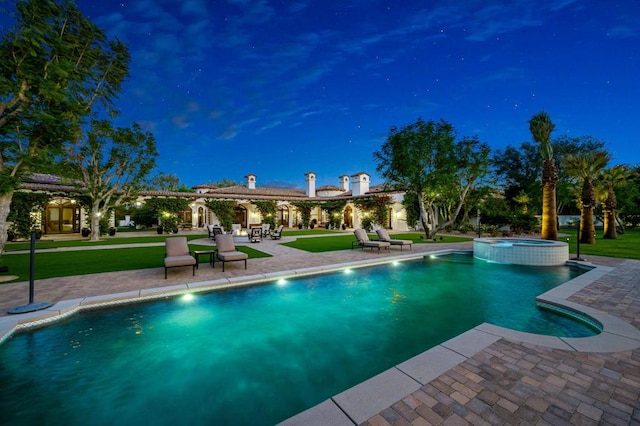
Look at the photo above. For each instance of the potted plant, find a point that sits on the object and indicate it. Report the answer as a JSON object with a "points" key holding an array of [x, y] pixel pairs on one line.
{"points": [[112, 231], [159, 229], [85, 232]]}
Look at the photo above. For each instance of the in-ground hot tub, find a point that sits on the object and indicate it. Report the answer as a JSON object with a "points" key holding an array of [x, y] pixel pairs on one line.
{"points": [[520, 251]]}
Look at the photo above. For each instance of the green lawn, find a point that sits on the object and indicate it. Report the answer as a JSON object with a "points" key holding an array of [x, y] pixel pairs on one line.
{"points": [[626, 246], [59, 264], [343, 242], [80, 262]]}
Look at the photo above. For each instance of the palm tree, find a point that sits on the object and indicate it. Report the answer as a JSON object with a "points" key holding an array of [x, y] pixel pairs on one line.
{"points": [[523, 199], [611, 178], [587, 168], [541, 127]]}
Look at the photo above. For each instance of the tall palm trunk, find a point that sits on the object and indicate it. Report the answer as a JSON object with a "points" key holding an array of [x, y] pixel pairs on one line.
{"points": [[549, 229], [609, 208], [588, 234], [588, 230]]}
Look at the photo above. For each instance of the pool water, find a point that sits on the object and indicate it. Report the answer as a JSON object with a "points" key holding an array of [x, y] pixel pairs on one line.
{"points": [[261, 354]]}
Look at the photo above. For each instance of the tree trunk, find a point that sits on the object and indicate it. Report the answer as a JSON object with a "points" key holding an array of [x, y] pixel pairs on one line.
{"points": [[610, 232], [549, 215], [588, 231], [95, 224], [423, 218], [5, 205]]}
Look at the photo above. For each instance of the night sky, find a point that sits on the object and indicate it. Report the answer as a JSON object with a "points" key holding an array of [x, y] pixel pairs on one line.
{"points": [[281, 88]]}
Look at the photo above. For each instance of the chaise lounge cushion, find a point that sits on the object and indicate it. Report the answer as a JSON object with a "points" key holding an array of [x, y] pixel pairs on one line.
{"points": [[383, 235], [363, 240]]}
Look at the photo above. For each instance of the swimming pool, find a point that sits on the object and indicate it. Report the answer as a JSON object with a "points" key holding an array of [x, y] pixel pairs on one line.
{"points": [[261, 354]]}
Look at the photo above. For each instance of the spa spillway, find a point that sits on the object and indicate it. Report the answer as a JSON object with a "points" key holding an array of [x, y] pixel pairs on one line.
{"points": [[520, 251]]}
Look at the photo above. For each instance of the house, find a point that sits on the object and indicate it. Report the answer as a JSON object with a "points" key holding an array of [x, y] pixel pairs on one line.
{"points": [[63, 215]]}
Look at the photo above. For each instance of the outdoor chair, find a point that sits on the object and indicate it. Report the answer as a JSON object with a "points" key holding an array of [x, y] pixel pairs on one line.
{"points": [[362, 241], [177, 254], [236, 228], [226, 251], [214, 230], [265, 229], [277, 234], [255, 234], [383, 235]]}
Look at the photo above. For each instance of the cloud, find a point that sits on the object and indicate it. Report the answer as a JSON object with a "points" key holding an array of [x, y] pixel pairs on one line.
{"points": [[622, 31], [180, 121], [228, 133]]}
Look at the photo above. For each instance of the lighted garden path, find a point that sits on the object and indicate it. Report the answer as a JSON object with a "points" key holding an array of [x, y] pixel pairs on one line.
{"points": [[505, 382]]}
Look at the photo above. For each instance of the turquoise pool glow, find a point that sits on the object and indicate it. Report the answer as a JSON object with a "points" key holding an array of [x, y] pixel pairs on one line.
{"points": [[259, 355]]}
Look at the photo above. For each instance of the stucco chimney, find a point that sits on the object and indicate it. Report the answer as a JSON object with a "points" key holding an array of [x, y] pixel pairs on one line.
{"points": [[311, 184], [344, 182], [360, 184], [251, 181]]}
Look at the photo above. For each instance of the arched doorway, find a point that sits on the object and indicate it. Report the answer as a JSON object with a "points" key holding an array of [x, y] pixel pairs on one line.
{"points": [[348, 217], [240, 216], [200, 217], [283, 216]]}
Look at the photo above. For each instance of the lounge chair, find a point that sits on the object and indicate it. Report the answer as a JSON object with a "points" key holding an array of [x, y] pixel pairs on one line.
{"points": [[265, 229], [277, 234], [177, 254], [226, 251], [255, 234], [236, 228], [214, 230], [383, 235], [362, 241]]}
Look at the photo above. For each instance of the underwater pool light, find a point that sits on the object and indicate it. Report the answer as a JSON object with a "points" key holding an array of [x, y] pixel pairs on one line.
{"points": [[188, 297]]}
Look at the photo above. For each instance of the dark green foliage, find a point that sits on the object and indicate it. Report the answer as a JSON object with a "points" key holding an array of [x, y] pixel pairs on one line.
{"points": [[305, 207], [267, 209], [224, 211], [375, 209], [164, 209], [524, 222], [334, 211], [412, 208], [22, 204]]}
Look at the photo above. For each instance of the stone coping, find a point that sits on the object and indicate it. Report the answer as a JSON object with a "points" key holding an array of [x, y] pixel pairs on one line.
{"points": [[366, 399]]}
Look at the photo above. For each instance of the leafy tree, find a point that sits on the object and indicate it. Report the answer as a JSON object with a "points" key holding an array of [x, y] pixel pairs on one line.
{"points": [[111, 163], [541, 127], [518, 170], [523, 200], [56, 66], [268, 210], [424, 158], [224, 210], [167, 182], [587, 167], [611, 178], [411, 206], [628, 198]]}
